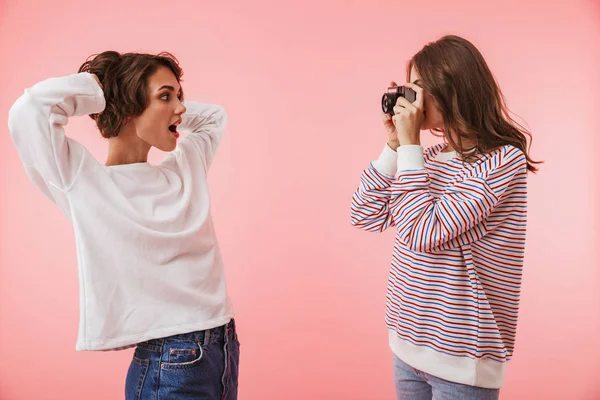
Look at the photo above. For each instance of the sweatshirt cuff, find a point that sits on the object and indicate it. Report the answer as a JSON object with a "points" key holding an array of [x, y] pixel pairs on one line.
{"points": [[386, 163], [97, 91], [410, 157]]}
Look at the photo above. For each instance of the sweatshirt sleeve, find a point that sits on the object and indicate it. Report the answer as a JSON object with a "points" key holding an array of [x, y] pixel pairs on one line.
{"points": [[36, 123], [370, 206], [204, 125], [426, 223]]}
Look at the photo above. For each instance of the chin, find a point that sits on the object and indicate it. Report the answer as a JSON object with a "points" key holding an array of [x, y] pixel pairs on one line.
{"points": [[170, 148], [167, 147]]}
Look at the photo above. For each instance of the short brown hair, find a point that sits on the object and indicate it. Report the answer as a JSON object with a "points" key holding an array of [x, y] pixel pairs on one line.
{"points": [[125, 81]]}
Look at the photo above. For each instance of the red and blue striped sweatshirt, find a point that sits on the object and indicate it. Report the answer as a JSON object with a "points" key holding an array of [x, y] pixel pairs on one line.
{"points": [[454, 283]]}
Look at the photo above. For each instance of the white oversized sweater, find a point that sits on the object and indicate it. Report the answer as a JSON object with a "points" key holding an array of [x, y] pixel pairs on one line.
{"points": [[148, 258]]}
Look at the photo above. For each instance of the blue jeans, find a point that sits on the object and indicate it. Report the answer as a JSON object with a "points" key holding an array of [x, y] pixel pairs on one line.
{"points": [[198, 365], [412, 384]]}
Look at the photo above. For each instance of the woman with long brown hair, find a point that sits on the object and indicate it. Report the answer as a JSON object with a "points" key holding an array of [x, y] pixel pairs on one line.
{"points": [[459, 209]]}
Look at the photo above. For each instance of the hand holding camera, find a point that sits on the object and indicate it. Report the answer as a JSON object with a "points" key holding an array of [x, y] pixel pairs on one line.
{"points": [[403, 114], [387, 100]]}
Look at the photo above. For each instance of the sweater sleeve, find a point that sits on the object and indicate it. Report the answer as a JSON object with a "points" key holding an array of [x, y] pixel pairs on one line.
{"points": [[370, 206], [204, 125], [426, 223], [36, 123]]}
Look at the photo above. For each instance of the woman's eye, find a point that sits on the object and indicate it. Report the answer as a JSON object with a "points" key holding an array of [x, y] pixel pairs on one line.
{"points": [[165, 96]]}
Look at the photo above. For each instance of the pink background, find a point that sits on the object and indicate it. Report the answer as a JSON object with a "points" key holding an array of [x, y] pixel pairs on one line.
{"points": [[302, 84]]}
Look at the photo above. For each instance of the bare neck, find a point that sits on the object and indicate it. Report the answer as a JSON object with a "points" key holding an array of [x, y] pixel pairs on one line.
{"points": [[127, 148]]}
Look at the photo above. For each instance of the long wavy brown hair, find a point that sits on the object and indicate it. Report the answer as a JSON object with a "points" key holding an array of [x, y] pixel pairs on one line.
{"points": [[476, 118], [124, 78]]}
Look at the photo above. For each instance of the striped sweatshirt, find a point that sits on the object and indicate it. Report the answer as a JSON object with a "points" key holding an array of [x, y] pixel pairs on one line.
{"points": [[454, 283]]}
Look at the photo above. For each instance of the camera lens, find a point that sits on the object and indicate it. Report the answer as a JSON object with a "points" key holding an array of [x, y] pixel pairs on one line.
{"points": [[387, 104]]}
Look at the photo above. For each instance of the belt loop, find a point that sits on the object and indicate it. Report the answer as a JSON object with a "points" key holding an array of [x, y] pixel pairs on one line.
{"points": [[206, 337]]}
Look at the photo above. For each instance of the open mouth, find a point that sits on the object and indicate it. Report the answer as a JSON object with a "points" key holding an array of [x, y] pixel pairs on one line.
{"points": [[173, 129]]}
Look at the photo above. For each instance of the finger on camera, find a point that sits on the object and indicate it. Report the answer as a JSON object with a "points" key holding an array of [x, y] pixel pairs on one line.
{"points": [[387, 119], [401, 101], [402, 110], [419, 91]]}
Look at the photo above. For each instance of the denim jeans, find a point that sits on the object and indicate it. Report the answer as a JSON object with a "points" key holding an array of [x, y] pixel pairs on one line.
{"points": [[412, 384], [198, 365]]}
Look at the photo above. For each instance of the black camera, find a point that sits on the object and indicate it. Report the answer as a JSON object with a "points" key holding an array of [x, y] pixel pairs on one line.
{"points": [[388, 101]]}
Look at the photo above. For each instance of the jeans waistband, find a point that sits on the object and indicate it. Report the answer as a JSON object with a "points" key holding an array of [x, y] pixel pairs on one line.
{"points": [[205, 337]]}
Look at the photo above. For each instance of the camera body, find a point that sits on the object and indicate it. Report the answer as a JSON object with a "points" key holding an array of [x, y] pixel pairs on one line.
{"points": [[388, 101]]}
